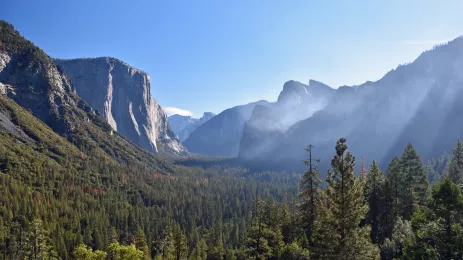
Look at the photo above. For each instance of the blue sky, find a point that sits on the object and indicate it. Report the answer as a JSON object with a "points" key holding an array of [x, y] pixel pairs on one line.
{"points": [[212, 55]]}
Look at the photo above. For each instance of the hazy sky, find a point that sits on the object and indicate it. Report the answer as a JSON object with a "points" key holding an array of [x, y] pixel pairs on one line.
{"points": [[212, 55]]}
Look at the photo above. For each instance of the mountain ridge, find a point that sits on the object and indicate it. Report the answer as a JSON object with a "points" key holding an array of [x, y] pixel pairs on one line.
{"points": [[386, 113]]}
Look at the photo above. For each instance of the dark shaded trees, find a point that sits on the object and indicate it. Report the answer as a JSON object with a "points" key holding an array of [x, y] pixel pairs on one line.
{"points": [[455, 170], [375, 198], [309, 195]]}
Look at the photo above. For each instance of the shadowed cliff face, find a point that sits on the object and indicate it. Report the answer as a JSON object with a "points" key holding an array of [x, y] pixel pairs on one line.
{"points": [[122, 95]]}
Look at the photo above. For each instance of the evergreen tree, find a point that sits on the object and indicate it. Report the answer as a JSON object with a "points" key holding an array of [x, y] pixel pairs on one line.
{"points": [[216, 248], [393, 246], [257, 246], [310, 195], [38, 243], [294, 251], [388, 215], [375, 199], [414, 173], [200, 248], [166, 245], [141, 244], [395, 176], [338, 234], [410, 203], [230, 255], [456, 164], [447, 203], [180, 245]]}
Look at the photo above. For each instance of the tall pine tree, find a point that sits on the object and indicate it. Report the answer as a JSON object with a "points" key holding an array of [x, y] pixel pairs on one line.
{"points": [[375, 199], [395, 176], [456, 164], [310, 195], [447, 204], [414, 173], [338, 234], [141, 244]]}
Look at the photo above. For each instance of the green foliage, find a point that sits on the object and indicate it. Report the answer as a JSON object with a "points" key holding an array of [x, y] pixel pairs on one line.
{"points": [[83, 252], [375, 197], [395, 177], [438, 230], [338, 235], [12, 42], [393, 246], [414, 176], [141, 244], [438, 167], [119, 252], [456, 164], [296, 252]]}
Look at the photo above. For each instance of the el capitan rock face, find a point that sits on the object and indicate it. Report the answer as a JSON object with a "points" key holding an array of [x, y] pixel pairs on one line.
{"points": [[121, 93]]}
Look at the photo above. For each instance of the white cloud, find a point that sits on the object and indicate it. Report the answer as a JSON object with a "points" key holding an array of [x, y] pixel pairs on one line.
{"points": [[176, 111]]}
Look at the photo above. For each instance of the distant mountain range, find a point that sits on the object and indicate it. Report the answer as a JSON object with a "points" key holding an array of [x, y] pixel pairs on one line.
{"points": [[420, 102], [183, 126], [221, 135], [260, 121]]}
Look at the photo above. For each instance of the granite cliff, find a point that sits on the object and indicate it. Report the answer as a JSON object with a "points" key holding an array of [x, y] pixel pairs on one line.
{"points": [[122, 95]]}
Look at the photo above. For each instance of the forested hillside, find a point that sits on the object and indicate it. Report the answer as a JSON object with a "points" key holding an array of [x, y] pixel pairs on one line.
{"points": [[55, 197]]}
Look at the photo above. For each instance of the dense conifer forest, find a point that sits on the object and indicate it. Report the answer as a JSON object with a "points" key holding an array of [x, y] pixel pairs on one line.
{"points": [[75, 205]]}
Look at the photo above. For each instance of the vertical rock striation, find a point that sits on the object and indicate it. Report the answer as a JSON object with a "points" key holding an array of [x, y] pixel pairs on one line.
{"points": [[122, 94]]}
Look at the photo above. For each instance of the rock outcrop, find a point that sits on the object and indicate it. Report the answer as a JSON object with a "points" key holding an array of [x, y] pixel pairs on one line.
{"points": [[183, 126], [31, 79], [121, 93]]}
